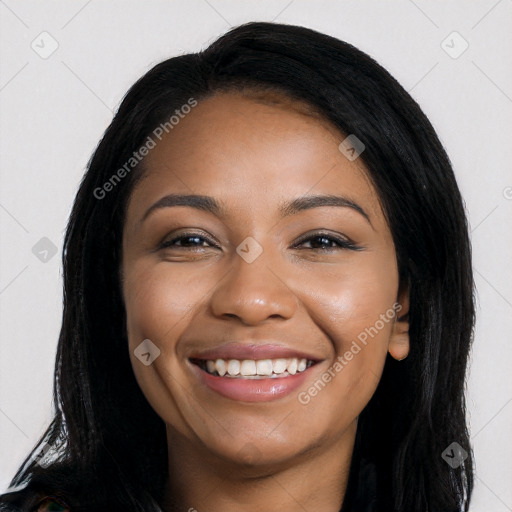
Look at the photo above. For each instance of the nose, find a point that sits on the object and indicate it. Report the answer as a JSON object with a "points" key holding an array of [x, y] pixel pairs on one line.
{"points": [[254, 293]]}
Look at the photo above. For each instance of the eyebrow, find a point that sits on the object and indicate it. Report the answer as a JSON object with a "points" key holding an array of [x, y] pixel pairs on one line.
{"points": [[211, 205]]}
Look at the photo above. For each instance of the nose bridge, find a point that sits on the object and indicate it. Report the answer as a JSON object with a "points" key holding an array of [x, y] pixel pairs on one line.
{"points": [[253, 290]]}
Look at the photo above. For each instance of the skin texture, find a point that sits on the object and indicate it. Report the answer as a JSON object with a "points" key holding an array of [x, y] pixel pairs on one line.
{"points": [[251, 155]]}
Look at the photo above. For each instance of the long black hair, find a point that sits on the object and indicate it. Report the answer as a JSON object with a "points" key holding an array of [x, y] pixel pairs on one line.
{"points": [[109, 446]]}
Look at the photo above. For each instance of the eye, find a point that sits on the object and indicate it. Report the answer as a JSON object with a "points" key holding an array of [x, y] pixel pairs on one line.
{"points": [[325, 241], [187, 240], [317, 241]]}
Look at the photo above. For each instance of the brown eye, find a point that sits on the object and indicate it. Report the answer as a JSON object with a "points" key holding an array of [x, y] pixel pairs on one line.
{"points": [[325, 241], [187, 240]]}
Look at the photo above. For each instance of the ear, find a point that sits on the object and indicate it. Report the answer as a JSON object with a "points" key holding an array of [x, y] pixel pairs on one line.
{"points": [[399, 341]]}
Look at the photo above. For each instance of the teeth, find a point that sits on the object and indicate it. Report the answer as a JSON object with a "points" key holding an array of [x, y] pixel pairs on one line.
{"points": [[264, 367], [233, 367], [220, 366], [292, 366], [280, 365], [249, 368]]}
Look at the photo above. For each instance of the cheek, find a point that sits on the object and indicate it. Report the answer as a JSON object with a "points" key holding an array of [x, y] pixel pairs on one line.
{"points": [[350, 299], [158, 299], [354, 307]]}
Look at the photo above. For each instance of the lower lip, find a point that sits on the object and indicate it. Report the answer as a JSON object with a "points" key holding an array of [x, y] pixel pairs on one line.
{"points": [[251, 390]]}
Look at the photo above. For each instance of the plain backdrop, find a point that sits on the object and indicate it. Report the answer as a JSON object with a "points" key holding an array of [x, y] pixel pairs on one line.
{"points": [[65, 67]]}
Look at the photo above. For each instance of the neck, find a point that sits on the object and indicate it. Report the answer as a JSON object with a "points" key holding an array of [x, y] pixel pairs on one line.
{"points": [[316, 480]]}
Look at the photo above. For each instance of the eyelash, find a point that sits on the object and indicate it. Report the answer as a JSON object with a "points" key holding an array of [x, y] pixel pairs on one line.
{"points": [[342, 243]]}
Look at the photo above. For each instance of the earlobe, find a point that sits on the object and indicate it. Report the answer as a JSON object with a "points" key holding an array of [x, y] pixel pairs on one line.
{"points": [[399, 346], [399, 341]]}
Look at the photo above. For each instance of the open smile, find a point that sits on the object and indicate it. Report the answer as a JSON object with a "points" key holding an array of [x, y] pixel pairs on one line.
{"points": [[254, 369], [252, 373]]}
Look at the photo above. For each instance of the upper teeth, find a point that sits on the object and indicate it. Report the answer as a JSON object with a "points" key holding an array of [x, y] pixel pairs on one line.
{"points": [[261, 367]]}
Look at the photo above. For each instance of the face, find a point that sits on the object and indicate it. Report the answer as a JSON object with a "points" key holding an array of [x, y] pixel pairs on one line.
{"points": [[269, 296]]}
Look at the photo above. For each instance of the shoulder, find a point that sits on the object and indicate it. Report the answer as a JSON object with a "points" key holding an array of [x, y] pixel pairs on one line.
{"points": [[66, 487], [27, 500], [43, 490]]}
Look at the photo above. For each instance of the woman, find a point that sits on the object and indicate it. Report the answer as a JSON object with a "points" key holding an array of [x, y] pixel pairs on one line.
{"points": [[268, 295]]}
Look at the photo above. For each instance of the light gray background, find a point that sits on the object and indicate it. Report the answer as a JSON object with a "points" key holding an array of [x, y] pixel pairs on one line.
{"points": [[55, 109]]}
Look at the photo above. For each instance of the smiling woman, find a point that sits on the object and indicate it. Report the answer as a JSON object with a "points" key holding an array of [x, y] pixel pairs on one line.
{"points": [[281, 307]]}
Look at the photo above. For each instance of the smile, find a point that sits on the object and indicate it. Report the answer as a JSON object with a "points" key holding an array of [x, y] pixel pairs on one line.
{"points": [[254, 369]]}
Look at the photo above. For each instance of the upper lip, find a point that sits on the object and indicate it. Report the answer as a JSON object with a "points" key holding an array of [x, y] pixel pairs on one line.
{"points": [[254, 351]]}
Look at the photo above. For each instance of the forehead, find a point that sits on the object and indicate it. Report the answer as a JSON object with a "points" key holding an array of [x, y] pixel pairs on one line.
{"points": [[257, 147]]}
